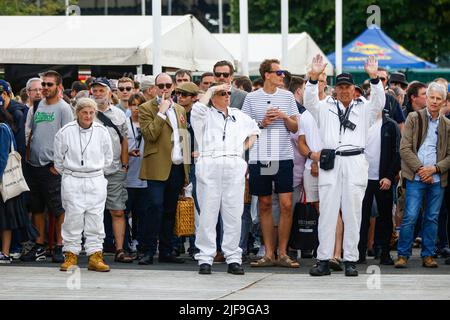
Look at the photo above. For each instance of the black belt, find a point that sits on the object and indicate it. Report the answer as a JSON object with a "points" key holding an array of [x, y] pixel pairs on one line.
{"points": [[348, 153]]}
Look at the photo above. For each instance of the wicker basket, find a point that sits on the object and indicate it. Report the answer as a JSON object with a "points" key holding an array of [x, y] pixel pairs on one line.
{"points": [[247, 195], [184, 218]]}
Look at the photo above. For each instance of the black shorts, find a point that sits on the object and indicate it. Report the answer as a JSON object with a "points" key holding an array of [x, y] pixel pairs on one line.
{"points": [[45, 191], [261, 176]]}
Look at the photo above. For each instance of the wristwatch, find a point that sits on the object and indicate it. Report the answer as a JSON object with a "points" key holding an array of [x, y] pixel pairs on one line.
{"points": [[260, 125], [309, 154], [125, 166]]}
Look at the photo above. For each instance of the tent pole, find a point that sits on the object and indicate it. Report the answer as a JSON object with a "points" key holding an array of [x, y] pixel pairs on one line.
{"points": [[143, 7], [243, 26], [284, 32], [338, 30], [156, 48], [139, 71], [220, 17]]}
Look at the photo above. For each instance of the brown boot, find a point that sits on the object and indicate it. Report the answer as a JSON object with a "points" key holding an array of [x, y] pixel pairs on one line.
{"points": [[401, 262], [96, 262], [70, 261], [429, 262]]}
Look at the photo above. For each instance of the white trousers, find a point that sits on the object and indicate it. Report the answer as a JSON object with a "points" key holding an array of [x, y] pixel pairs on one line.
{"points": [[343, 187], [220, 188], [83, 199]]}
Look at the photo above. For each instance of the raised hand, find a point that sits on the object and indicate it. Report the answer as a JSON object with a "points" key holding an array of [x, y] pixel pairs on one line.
{"points": [[165, 104], [317, 67], [371, 67]]}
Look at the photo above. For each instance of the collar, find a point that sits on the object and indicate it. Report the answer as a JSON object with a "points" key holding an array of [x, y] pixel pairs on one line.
{"points": [[85, 129], [430, 118], [230, 114]]}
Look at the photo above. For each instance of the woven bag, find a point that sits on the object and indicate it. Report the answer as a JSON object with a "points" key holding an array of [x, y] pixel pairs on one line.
{"points": [[184, 218]]}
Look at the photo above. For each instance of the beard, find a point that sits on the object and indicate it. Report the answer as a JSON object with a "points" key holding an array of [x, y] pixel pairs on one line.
{"points": [[101, 102]]}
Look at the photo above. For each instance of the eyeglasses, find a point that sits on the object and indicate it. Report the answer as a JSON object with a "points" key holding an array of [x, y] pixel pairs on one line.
{"points": [[184, 94], [47, 84], [162, 85], [224, 93], [278, 72], [221, 74], [124, 88]]}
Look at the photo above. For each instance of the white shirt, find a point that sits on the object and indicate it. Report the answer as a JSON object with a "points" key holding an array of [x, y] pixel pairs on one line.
{"points": [[82, 151], [362, 115], [177, 155], [373, 150], [308, 128], [217, 135]]}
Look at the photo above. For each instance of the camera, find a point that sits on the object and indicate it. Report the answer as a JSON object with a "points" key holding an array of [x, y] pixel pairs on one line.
{"points": [[347, 123]]}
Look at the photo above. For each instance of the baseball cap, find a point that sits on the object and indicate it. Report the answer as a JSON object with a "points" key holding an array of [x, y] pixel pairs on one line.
{"points": [[344, 78], [101, 81], [188, 87], [4, 86]]}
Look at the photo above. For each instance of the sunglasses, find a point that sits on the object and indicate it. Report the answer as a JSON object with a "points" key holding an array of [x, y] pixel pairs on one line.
{"points": [[47, 84], [382, 79], [184, 94], [162, 85], [124, 88], [278, 72], [224, 93], [220, 74]]}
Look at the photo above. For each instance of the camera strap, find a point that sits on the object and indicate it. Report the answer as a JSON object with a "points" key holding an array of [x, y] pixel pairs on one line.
{"points": [[343, 116]]}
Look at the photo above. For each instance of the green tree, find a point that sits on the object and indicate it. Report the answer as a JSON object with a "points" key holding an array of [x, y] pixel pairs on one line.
{"points": [[419, 26], [33, 7]]}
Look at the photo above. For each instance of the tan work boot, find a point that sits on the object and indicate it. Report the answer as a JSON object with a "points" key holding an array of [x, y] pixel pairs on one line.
{"points": [[401, 262], [70, 261], [96, 262], [429, 262]]}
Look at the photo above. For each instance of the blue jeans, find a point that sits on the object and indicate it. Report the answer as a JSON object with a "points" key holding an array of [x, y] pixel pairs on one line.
{"points": [[159, 219], [434, 194]]}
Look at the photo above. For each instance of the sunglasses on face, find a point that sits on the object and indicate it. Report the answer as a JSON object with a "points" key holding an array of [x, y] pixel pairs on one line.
{"points": [[224, 93], [124, 88], [47, 84], [382, 79], [221, 74], [278, 72], [184, 94], [162, 85]]}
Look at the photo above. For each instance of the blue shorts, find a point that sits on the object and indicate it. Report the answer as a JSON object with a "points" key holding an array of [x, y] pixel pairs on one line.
{"points": [[261, 176]]}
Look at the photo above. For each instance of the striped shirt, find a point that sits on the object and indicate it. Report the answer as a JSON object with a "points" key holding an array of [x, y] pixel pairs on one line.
{"points": [[274, 142]]}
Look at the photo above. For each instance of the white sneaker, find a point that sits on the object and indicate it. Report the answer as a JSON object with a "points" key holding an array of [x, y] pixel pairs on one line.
{"points": [[4, 259], [15, 255]]}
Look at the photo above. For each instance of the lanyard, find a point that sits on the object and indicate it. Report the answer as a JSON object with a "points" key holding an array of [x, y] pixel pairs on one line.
{"points": [[343, 116], [81, 147]]}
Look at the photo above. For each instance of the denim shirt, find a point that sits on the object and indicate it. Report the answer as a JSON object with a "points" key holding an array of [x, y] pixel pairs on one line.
{"points": [[428, 150]]}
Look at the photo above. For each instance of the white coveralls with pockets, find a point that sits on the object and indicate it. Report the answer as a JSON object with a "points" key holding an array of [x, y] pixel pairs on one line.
{"points": [[220, 172], [344, 186], [80, 157]]}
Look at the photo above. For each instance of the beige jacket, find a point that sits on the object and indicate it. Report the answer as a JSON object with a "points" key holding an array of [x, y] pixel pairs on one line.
{"points": [[409, 148]]}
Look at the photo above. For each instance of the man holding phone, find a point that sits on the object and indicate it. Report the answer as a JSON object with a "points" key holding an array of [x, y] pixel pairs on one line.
{"points": [[165, 166]]}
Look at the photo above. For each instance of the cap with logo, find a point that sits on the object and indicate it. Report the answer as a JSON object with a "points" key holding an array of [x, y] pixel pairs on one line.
{"points": [[344, 78], [4, 86], [101, 81]]}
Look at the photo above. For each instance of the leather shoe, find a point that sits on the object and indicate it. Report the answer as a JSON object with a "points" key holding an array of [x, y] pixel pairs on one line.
{"points": [[170, 259], [350, 269], [401, 262], [322, 268], [306, 254], [235, 268], [146, 260], [429, 262], [204, 268], [386, 259]]}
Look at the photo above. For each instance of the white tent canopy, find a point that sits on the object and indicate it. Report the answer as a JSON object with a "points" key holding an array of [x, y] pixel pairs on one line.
{"points": [[301, 50], [108, 40]]}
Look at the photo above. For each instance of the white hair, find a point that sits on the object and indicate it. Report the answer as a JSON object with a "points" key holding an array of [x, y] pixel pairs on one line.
{"points": [[30, 81], [85, 103], [438, 88]]}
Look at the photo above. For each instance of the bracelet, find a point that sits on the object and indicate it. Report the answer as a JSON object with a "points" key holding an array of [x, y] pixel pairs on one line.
{"points": [[309, 155]]}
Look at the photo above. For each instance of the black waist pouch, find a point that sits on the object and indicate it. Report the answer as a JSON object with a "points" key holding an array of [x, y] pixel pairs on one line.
{"points": [[327, 159]]}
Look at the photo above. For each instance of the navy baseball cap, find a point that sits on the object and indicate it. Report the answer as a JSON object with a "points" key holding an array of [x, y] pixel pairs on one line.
{"points": [[4, 86], [344, 78], [101, 81]]}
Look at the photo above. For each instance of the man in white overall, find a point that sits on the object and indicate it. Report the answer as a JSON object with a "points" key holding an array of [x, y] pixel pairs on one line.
{"points": [[222, 135], [83, 148], [343, 125]]}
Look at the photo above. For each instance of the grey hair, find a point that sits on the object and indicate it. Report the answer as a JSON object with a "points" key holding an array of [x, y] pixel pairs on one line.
{"points": [[85, 103], [437, 87], [28, 85]]}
